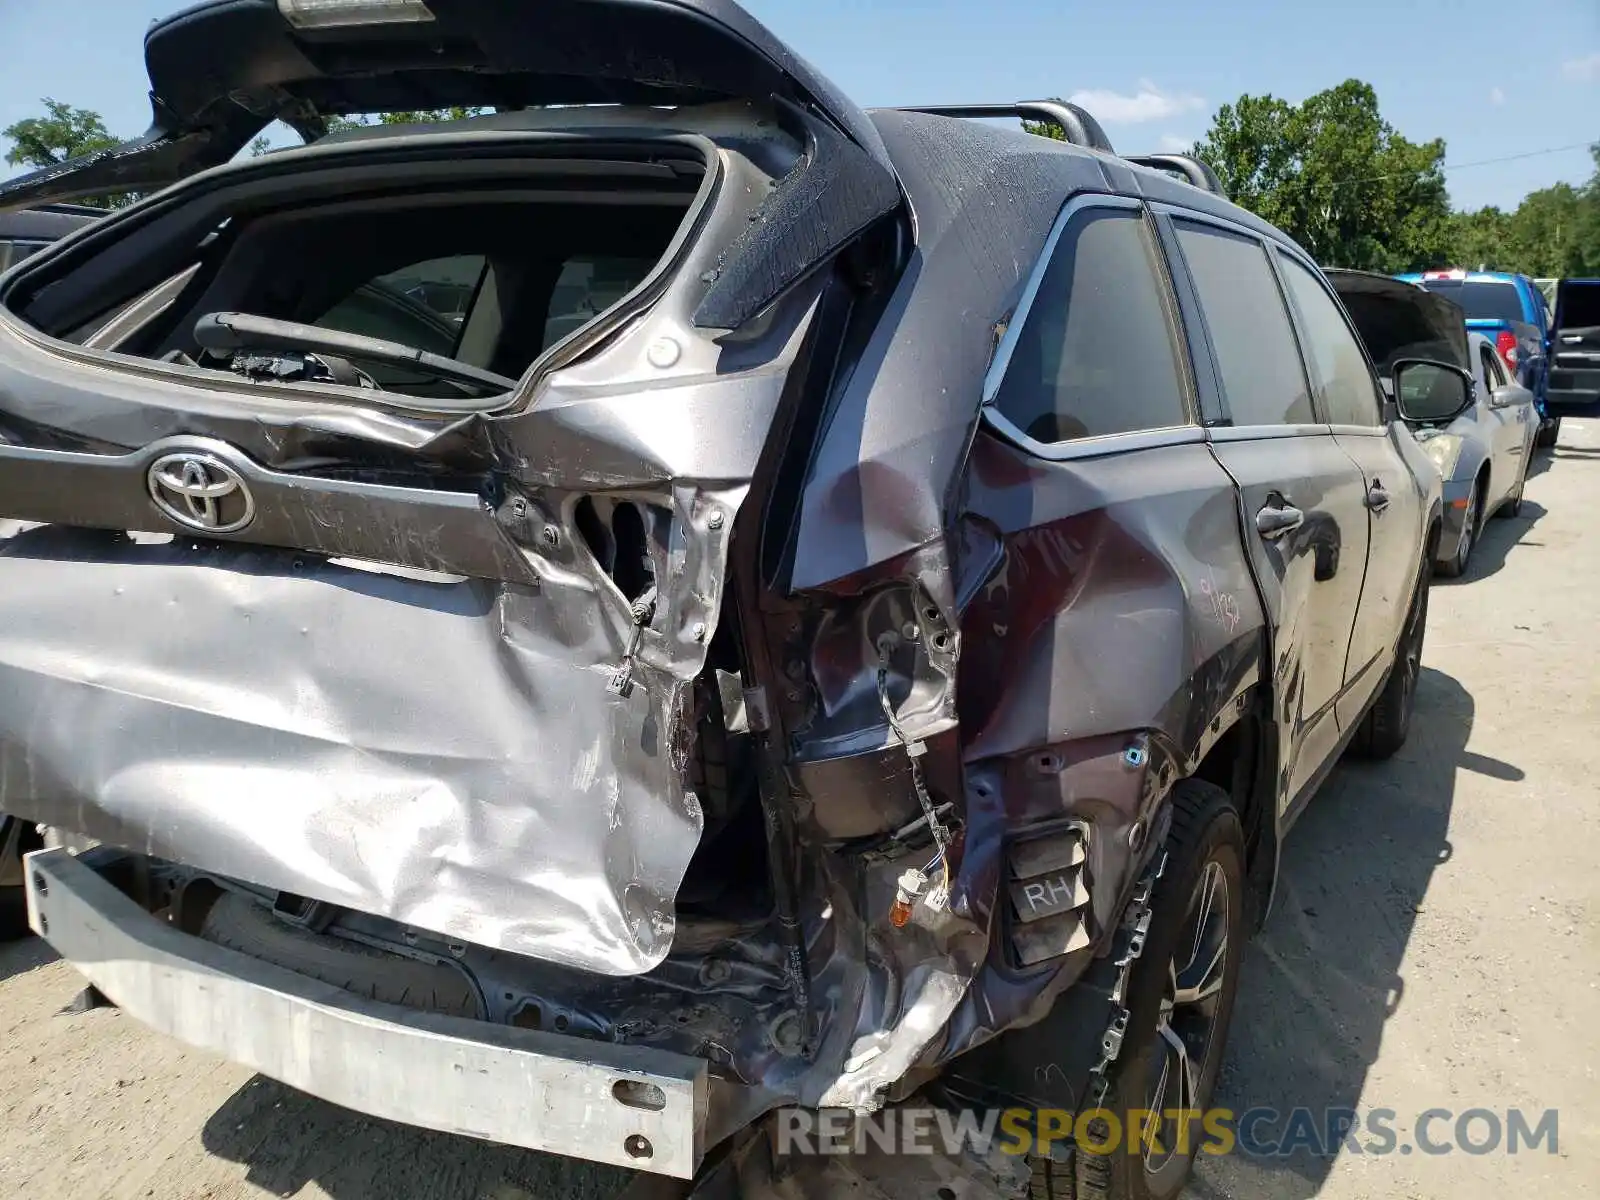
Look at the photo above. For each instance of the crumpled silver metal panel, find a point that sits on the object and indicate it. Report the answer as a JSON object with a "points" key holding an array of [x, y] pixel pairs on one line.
{"points": [[445, 754]]}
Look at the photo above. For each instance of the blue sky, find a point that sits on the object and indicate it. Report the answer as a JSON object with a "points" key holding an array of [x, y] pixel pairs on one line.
{"points": [[1492, 77]]}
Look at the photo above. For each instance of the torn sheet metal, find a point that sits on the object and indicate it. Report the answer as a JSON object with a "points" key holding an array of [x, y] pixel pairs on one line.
{"points": [[259, 714]]}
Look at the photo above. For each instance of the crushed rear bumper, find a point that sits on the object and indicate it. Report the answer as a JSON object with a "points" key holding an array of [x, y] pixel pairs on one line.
{"points": [[543, 1091]]}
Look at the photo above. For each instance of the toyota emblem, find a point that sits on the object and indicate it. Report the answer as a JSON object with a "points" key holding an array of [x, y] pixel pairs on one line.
{"points": [[200, 491]]}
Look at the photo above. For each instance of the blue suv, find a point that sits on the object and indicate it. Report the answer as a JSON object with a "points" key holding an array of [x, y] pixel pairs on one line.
{"points": [[1511, 312]]}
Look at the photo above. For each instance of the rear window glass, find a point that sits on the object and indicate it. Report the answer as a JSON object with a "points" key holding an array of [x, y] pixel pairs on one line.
{"points": [[1483, 300], [1098, 351]]}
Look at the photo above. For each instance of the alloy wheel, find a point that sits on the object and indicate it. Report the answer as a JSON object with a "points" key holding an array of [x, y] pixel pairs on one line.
{"points": [[1186, 1023]]}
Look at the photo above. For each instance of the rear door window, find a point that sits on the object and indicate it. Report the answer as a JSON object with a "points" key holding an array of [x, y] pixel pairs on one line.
{"points": [[1098, 350], [1338, 364], [1263, 378], [1493, 375]]}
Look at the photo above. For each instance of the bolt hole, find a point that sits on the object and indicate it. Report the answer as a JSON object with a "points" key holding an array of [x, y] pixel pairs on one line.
{"points": [[528, 1016], [634, 1094], [562, 1023], [945, 1193], [931, 613], [638, 1147], [39, 885]]}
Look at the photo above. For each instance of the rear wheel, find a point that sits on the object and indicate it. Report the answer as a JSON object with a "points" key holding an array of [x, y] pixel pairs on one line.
{"points": [[1180, 999], [1512, 505], [1384, 729], [13, 914]]}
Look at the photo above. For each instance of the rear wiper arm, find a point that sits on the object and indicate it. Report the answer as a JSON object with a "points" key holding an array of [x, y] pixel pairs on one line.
{"points": [[229, 332]]}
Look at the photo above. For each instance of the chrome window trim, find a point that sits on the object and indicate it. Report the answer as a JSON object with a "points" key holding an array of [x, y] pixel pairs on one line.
{"points": [[1110, 443], [1092, 447], [1255, 433]]}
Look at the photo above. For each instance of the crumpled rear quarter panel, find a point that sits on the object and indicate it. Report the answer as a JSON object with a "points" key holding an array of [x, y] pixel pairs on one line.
{"points": [[445, 754]]}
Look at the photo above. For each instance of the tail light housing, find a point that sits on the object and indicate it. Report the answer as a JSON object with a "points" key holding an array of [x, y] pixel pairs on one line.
{"points": [[1506, 344]]}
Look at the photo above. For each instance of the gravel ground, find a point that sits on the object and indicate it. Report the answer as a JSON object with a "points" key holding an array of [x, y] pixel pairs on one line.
{"points": [[1434, 945]]}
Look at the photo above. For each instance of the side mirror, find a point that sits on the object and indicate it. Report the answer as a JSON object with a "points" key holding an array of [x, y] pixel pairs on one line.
{"points": [[1431, 391]]}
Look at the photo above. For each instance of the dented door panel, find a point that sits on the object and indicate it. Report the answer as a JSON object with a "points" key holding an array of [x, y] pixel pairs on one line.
{"points": [[1112, 645]]}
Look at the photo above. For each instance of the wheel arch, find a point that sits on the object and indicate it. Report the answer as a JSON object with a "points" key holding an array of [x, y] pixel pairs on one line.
{"points": [[1242, 761]]}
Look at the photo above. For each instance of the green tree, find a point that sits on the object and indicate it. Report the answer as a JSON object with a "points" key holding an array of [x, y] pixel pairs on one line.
{"points": [[1587, 252], [417, 116], [63, 132], [1478, 238], [1553, 233], [1335, 176]]}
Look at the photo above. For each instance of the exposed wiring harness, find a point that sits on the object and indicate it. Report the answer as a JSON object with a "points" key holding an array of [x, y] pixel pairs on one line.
{"points": [[912, 883]]}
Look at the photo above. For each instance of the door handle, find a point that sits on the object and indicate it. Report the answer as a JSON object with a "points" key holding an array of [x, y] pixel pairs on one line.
{"points": [[1377, 498], [1275, 520]]}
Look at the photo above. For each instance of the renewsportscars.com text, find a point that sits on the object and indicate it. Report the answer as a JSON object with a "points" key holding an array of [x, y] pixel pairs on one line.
{"points": [[1255, 1132]]}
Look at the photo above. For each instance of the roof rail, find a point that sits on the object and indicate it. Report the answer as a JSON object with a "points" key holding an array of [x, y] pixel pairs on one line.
{"points": [[1081, 128], [1184, 166]]}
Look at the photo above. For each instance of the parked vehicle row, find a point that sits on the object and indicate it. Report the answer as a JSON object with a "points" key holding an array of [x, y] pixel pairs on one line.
{"points": [[794, 630], [1483, 453], [1556, 356]]}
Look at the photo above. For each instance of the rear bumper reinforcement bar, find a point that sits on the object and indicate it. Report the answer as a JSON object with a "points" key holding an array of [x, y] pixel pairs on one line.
{"points": [[628, 1106]]}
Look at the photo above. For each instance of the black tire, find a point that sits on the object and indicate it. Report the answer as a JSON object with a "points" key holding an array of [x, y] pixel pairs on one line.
{"points": [[1548, 435], [1206, 845], [17, 840], [13, 914], [1388, 722], [1511, 506]]}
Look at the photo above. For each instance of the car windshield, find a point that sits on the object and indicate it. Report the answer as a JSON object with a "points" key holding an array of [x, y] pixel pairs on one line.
{"points": [[1482, 299]]}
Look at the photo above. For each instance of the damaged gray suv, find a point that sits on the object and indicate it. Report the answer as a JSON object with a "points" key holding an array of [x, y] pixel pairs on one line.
{"points": [[677, 597]]}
